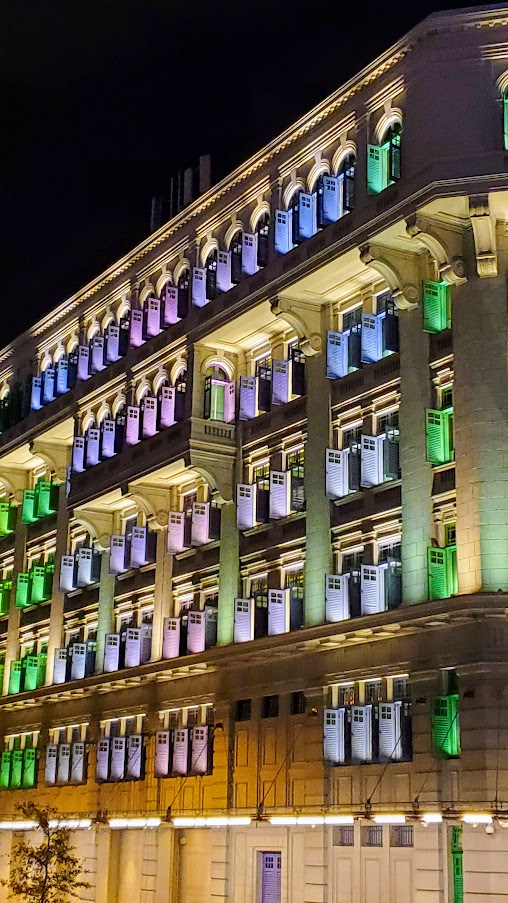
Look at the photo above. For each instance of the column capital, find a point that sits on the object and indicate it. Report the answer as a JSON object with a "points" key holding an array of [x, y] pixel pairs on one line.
{"points": [[398, 269], [305, 318], [445, 243]]}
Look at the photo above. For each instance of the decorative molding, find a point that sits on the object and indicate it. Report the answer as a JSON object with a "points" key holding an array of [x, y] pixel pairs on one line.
{"points": [[305, 319], [398, 269], [445, 245], [484, 235]]}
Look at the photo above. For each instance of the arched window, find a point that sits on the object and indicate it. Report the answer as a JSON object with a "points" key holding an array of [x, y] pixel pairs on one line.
{"points": [[184, 293], [263, 229], [211, 276], [219, 395], [236, 248], [505, 118], [347, 171], [384, 160], [180, 392], [294, 206]]}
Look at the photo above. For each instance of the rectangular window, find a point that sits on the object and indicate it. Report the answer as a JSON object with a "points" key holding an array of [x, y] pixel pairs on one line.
{"points": [[344, 836], [270, 707], [298, 703], [351, 318], [346, 694], [401, 836], [261, 475], [374, 691], [243, 710], [384, 302], [400, 687], [352, 561], [351, 435], [386, 421], [389, 551], [372, 835]]}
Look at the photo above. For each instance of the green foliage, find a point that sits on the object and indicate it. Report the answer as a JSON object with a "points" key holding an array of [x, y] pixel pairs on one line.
{"points": [[46, 871]]}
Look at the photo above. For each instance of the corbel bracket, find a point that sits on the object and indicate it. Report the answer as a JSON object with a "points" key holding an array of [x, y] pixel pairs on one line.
{"points": [[398, 269], [484, 234], [446, 246], [154, 502], [305, 319], [56, 455], [15, 482], [100, 524]]}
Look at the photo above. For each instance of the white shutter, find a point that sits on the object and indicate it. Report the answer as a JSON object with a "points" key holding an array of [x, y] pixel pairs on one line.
{"points": [[93, 437], [280, 490], [117, 767], [146, 643], [249, 253], [136, 329], [97, 353], [117, 563], [132, 425], [224, 270], [372, 338], [153, 316], [67, 573], [248, 397], [281, 382], [62, 376], [181, 751], [48, 385], [64, 763], [111, 652], [196, 632], [199, 750], [389, 726], [51, 757], [78, 454], [167, 406], [199, 287], [371, 466], [283, 231], [337, 473], [337, 597], [112, 343], [78, 661], [77, 762], [244, 621], [149, 427], [278, 611], [171, 638], [307, 215], [332, 199], [36, 395], [372, 589], [139, 543], [83, 362], [337, 363], [162, 750], [60, 666], [132, 647], [270, 878], [333, 736], [169, 305], [229, 402], [246, 505], [176, 529], [134, 755], [108, 438], [361, 733], [102, 766], [200, 523], [85, 575]]}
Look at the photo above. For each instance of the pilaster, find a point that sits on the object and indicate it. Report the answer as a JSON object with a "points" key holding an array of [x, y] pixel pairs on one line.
{"points": [[229, 573], [163, 595], [12, 646], [105, 610], [58, 597]]}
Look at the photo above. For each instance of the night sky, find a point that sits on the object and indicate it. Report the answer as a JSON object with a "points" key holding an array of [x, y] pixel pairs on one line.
{"points": [[103, 100]]}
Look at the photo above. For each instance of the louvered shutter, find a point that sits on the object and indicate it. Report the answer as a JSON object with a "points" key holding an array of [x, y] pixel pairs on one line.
{"points": [[162, 753], [64, 763], [16, 769], [354, 462], [97, 352], [29, 767], [181, 751], [48, 385], [78, 454], [77, 775], [270, 880], [139, 547], [78, 661], [136, 328], [390, 333], [108, 432], [278, 611], [36, 393], [132, 425], [333, 740], [224, 271], [394, 157], [336, 597], [134, 756], [200, 523], [83, 362], [176, 530], [112, 343], [361, 733], [445, 726], [132, 647], [244, 621], [171, 638], [15, 672], [118, 752], [229, 402], [281, 382], [199, 287], [149, 420], [280, 487], [102, 765], [283, 231], [5, 769], [112, 652], [169, 302], [146, 642], [436, 426], [438, 574], [67, 573], [152, 317], [248, 397], [372, 338], [436, 307], [249, 253], [337, 355], [92, 454], [332, 199], [389, 731], [337, 484], [391, 466], [307, 215], [393, 585], [51, 759], [167, 406], [85, 569], [246, 506], [199, 750], [371, 461], [377, 163], [117, 555], [372, 589], [31, 672], [196, 632], [60, 666], [62, 377]]}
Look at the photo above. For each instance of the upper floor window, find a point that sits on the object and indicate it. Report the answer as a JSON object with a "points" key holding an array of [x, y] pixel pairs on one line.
{"points": [[263, 229], [384, 161], [184, 293], [211, 276], [236, 248], [347, 171], [219, 395], [505, 118]]}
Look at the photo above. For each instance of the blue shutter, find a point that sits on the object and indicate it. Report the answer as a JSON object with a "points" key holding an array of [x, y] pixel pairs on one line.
{"points": [[48, 385], [332, 198], [306, 215], [337, 354], [372, 338], [283, 231]]}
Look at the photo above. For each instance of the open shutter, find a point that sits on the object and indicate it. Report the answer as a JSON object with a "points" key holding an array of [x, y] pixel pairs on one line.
{"points": [[118, 751], [244, 621], [371, 473], [283, 231], [117, 555], [307, 215], [134, 756], [36, 393], [224, 271], [62, 377], [112, 652], [280, 489], [60, 666], [67, 573], [372, 589], [377, 162], [16, 769], [333, 740], [361, 733], [229, 402], [142, 542], [78, 661], [249, 253], [389, 731], [169, 302], [29, 768], [167, 407], [281, 382], [199, 286], [436, 306], [64, 763], [394, 156], [336, 597], [199, 750], [181, 751], [248, 397], [246, 506], [390, 333], [196, 632], [152, 317], [332, 199], [441, 567], [51, 758], [391, 465], [93, 442], [89, 563], [132, 647], [31, 672], [136, 329], [97, 353], [162, 753], [77, 775], [149, 405], [176, 531], [278, 611], [84, 362], [200, 523], [337, 467], [102, 766], [132, 425], [438, 432], [48, 385], [108, 431], [445, 726], [5, 769], [337, 355], [171, 638], [372, 338], [78, 454], [112, 343]]}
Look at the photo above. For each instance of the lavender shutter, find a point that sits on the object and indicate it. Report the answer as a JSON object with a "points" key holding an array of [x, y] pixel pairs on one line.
{"points": [[117, 555], [248, 397], [199, 287], [278, 611], [97, 353], [372, 338], [112, 343], [62, 377], [337, 357], [244, 621], [229, 402], [162, 753], [132, 425], [60, 666], [108, 428], [149, 427], [246, 505], [271, 878], [371, 467], [78, 661], [36, 393], [77, 775], [181, 751], [224, 271], [146, 643], [332, 197], [249, 253], [132, 647], [176, 532], [281, 382], [199, 750], [93, 439], [307, 215], [64, 763], [152, 317], [169, 300], [280, 487], [139, 547], [87, 572], [337, 472], [196, 632], [171, 638], [134, 756], [118, 750], [67, 573], [200, 523], [78, 454], [372, 589], [167, 406], [84, 362], [102, 765], [283, 231], [111, 652], [336, 597], [51, 760], [136, 329], [48, 385]]}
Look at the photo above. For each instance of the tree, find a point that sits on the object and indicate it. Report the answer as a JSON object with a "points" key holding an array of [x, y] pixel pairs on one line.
{"points": [[48, 871]]}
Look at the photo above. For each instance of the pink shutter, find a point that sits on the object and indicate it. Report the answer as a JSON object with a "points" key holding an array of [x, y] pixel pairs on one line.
{"points": [[153, 316], [132, 425], [171, 638], [149, 416], [229, 402], [169, 300], [176, 529], [136, 328], [167, 406]]}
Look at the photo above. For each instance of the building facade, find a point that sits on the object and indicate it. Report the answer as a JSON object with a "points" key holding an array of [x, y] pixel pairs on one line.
{"points": [[254, 516]]}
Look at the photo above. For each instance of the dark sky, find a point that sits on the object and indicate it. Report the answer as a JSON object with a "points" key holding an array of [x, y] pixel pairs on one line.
{"points": [[103, 100]]}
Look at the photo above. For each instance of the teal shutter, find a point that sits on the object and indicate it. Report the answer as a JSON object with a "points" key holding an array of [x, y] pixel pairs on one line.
{"points": [[5, 770], [436, 306], [377, 161], [394, 156], [445, 726]]}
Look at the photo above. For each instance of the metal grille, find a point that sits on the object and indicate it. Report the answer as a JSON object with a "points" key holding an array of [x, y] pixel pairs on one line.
{"points": [[344, 836], [372, 836], [401, 836], [400, 687]]}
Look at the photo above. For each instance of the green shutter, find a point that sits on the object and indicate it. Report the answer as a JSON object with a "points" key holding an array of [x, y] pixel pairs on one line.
{"points": [[5, 770], [442, 572], [505, 120], [436, 306], [41, 672], [17, 769], [394, 156], [457, 864], [2, 673], [5, 596], [15, 677], [377, 167], [23, 590], [8, 514], [217, 401], [29, 767], [445, 726], [439, 431], [46, 494], [28, 515], [32, 672]]}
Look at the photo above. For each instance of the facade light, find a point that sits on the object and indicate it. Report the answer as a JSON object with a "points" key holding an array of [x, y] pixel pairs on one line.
{"points": [[310, 820], [18, 825], [431, 818], [283, 820], [118, 823], [213, 821], [72, 824], [339, 820], [477, 818], [392, 819]]}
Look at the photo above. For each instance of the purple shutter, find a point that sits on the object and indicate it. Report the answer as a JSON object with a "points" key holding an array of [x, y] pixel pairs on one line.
{"points": [[132, 425], [248, 397], [281, 382], [162, 751], [153, 316], [139, 547], [229, 402], [108, 438], [167, 406], [181, 751], [112, 343], [93, 438], [132, 647], [171, 638], [249, 253], [97, 350], [134, 756], [169, 298], [200, 533], [196, 632], [136, 329], [78, 454], [118, 749], [198, 286], [176, 530], [117, 555], [224, 271], [83, 362], [199, 750], [149, 416]]}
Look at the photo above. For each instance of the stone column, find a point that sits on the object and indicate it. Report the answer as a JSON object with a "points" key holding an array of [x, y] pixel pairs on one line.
{"points": [[58, 597], [162, 606], [12, 646], [229, 573], [105, 611]]}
